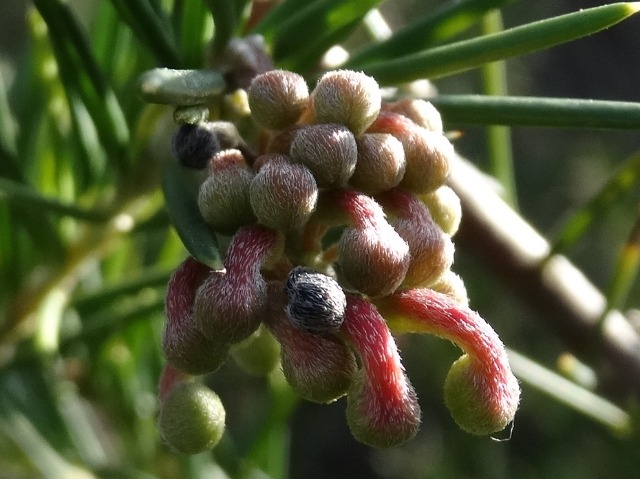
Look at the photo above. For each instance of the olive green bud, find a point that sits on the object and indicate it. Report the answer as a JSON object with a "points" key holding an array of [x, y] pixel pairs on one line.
{"points": [[445, 208], [283, 195], [453, 286], [183, 344], [328, 150], [478, 405], [347, 97], [277, 98], [380, 165], [223, 198], [421, 112], [191, 418], [259, 354]]}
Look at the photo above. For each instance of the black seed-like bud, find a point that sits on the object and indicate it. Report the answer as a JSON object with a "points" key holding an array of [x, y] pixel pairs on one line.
{"points": [[194, 145], [316, 301]]}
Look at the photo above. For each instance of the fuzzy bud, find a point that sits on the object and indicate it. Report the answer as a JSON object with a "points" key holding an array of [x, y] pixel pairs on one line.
{"points": [[223, 198], [347, 97], [192, 418], [258, 354], [316, 301], [318, 367], [230, 303], [194, 145], [277, 98], [421, 112], [445, 208], [382, 408], [380, 165], [328, 150], [427, 154], [481, 392], [283, 195], [183, 344], [453, 286]]}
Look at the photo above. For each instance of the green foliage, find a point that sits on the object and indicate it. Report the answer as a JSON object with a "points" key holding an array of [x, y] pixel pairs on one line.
{"points": [[94, 216]]}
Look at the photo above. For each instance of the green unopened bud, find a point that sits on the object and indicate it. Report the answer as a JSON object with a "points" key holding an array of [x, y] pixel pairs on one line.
{"points": [[445, 208], [347, 97], [453, 286], [283, 195], [277, 98], [223, 198], [380, 165], [191, 418], [474, 404], [259, 354], [328, 150]]}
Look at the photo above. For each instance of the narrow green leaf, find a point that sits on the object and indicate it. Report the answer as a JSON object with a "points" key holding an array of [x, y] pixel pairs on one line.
{"points": [[193, 25], [301, 40], [536, 111], [494, 82], [626, 178], [180, 193], [467, 54], [226, 17], [80, 72], [443, 22], [279, 14], [625, 270], [16, 192], [8, 132], [150, 29]]}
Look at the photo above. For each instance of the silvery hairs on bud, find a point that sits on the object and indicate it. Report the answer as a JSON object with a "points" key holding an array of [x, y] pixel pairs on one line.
{"points": [[316, 301]]}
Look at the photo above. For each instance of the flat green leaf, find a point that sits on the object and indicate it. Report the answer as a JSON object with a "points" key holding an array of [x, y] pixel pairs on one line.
{"points": [[467, 54], [626, 178], [537, 111], [180, 193], [300, 41], [443, 22]]}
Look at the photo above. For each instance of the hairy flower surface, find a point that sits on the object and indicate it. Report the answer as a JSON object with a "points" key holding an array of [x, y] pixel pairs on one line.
{"points": [[330, 270]]}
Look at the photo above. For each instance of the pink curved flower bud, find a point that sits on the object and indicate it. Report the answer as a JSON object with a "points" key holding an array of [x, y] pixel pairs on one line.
{"points": [[373, 257], [318, 367], [382, 408], [431, 250], [481, 392], [347, 97], [184, 345], [230, 303]]}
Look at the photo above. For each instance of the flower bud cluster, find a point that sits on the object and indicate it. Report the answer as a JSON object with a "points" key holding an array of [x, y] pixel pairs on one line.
{"points": [[341, 234]]}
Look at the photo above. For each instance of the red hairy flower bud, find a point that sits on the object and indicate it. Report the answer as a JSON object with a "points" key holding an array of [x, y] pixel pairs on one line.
{"points": [[421, 112], [230, 303], [380, 165], [382, 408], [183, 344], [481, 392], [318, 367]]}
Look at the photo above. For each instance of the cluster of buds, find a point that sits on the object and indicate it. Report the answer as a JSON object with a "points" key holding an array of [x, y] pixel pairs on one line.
{"points": [[340, 234]]}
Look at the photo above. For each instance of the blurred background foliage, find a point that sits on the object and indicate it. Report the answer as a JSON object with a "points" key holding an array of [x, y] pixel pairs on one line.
{"points": [[86, 247]]}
